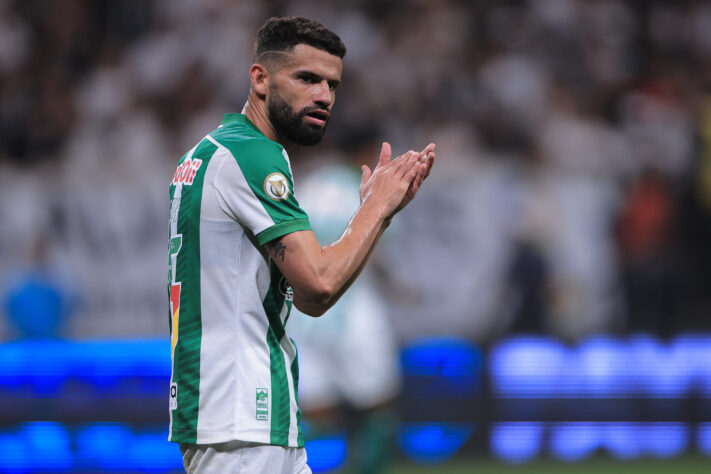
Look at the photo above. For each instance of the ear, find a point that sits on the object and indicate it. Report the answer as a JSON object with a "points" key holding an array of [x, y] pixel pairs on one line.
{"points": [[259, 78]]}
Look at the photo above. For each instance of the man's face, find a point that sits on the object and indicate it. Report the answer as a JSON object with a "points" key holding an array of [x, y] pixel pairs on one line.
{"points": [[302, 93]]}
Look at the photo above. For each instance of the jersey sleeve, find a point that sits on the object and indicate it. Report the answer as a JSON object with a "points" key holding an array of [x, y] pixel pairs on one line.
{"points": [[254, 186]]}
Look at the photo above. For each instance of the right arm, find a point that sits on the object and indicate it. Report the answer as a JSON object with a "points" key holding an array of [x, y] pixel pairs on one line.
{"points": [[320, 275]]}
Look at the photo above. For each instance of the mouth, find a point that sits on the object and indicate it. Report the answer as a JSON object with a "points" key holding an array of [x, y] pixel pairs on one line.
{"points": [[318, 117]]}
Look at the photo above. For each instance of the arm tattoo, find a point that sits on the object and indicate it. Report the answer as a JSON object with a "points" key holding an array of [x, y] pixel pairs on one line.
{"points": [[278, 250]]}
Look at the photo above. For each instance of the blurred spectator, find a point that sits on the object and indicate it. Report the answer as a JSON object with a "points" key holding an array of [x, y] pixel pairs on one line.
{"points": [[38, 301], [643, 234]]}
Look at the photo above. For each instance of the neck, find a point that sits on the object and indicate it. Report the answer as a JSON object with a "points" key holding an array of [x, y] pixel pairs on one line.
{"points": [[256, 111]]}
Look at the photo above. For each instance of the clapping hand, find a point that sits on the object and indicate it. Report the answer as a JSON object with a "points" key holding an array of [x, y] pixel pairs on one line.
{"points": [[422, 160]]}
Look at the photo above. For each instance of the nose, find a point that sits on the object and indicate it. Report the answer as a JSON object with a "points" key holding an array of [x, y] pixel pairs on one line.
{"points": [[323, 95]]}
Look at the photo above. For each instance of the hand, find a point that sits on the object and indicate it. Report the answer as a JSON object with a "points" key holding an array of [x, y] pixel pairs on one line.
{"points": [[427, 157], [390, 181], [365, 183]]}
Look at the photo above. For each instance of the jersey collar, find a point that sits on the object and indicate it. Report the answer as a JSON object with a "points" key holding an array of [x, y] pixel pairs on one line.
{"points": [[238, 118]]}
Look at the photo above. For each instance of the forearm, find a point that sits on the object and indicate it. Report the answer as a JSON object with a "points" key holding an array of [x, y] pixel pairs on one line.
{"points": [[339, 264], [358, 270]]}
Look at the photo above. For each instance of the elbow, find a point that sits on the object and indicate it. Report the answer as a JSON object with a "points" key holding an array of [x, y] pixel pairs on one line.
{"points": [[311, 310], [316, 299], [326, 295]]}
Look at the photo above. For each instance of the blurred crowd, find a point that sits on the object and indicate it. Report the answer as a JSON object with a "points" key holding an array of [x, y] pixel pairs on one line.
{"points": [[572, 193]]}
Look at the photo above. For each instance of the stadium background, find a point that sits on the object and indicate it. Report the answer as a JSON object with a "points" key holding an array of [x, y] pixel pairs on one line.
{"points": [[547, 289]]}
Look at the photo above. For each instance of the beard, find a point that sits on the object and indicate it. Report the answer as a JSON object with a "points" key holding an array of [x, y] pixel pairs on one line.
{"points": [[290, 124]]}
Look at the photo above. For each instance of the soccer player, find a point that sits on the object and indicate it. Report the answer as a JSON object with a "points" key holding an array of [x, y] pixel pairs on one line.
{"points": [[242, 252]]}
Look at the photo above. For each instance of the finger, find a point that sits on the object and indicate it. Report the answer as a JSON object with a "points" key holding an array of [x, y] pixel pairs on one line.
{"points": [[429, 163], [366, 174], [407, 162], [414, 187], [385, 154], [422, 172], [401, 161], [429, 149], [418, 179], [406, 155], [426, 163], [413, 168]]}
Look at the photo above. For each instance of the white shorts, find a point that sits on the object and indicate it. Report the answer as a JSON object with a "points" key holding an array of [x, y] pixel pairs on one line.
{"points": [[241, 457]]}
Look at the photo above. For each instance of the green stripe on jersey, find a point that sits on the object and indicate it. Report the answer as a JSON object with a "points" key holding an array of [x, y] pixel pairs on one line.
{"points": [[295, 378], [281, 401], [281, 409], [186, 363], [283, 229]]}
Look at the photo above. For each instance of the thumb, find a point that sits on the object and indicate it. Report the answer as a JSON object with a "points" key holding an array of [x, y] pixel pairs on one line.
{"points": [[385, 154], [366, 174]]}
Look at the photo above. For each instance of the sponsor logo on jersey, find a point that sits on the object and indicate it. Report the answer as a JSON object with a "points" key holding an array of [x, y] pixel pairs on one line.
{"points": [[262, 404], [276, 187], [186, 171], [174, 209]]}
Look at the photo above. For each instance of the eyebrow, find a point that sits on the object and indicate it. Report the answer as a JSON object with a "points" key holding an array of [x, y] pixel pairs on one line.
{"points": [[312, 75]]}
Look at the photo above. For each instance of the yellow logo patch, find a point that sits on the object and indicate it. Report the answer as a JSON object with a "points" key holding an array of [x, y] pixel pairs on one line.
{"points": [[276, 187]]}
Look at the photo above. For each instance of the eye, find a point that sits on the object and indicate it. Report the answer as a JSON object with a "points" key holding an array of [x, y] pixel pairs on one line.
{"points": [[308, 79]]}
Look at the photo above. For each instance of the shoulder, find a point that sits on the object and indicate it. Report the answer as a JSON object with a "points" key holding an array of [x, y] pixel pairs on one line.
{"points": [[246, 145], [260, 160]]}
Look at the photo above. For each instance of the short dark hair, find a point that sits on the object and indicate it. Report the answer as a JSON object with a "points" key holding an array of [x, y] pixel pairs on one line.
{"points": [[282, 34]]}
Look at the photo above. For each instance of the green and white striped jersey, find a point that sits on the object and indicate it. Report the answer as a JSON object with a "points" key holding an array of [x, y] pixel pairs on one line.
{"points": [[235, 373]]}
